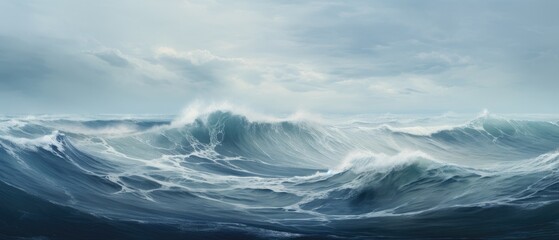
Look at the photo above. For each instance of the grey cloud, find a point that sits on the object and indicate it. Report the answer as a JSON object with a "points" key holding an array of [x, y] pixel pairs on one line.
{"points": [[112, 57], [203, 74]]}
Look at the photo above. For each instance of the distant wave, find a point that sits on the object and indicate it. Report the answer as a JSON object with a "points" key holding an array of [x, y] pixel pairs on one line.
{"points": [[213, 172]]}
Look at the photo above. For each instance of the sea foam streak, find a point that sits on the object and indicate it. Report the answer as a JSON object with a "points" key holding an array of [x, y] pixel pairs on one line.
{"points": [[220, 171]]}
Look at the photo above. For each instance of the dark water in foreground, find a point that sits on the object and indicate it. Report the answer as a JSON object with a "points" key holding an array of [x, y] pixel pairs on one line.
{"points": [[225, 176]]}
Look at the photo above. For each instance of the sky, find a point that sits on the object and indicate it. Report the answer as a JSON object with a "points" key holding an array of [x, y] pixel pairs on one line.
{"points": [[345, 57]]}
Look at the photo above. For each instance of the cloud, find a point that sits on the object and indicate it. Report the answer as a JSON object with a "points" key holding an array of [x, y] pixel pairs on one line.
{"points": [[196, 57], [198, 66], [323, 56], [113, 57], [408, 85]]}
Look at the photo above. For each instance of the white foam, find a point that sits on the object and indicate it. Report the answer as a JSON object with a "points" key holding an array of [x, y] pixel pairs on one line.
{"points": [[545, 162], [116, 130], [363, 161], [421, 130], [11, 124], [198, 110], [45, 142]]}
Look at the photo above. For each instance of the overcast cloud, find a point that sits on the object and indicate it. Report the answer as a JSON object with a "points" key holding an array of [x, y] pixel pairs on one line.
{"points": [[279, 56]]}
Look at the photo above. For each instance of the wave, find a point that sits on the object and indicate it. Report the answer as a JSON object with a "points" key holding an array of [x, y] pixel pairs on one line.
{"points": [[284, 177]]}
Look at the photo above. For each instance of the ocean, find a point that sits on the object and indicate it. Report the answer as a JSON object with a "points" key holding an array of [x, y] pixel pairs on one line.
{"points": [[223, 174]]}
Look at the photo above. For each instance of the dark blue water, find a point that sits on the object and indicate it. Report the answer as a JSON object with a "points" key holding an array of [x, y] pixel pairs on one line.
{"points": [[223, 175]]}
